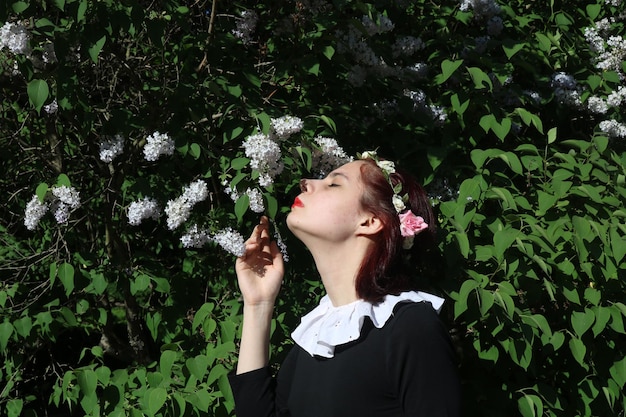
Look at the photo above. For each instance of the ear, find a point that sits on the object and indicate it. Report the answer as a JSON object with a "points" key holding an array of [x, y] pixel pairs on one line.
{"points": [[370, 225]]}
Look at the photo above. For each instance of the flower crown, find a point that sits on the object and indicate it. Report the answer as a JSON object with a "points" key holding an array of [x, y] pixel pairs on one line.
{"points": [[410, 224]]}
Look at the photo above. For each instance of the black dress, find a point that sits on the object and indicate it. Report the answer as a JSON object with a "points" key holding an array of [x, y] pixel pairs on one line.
{"points": [[405, 368]]}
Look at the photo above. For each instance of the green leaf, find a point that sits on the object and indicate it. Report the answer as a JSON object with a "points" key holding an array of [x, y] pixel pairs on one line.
{"points": [[194, 151], [480, 78], [23, 326], [272, 205], [447, 69], [14, 407], [198, 366], [63, 179], [66, 275], [460, 304], [457, 106], [167, 360], [156, 398], [511, 48], [618, 372], [41, 191], [239, 163], [19, 6], [6, 330], [139, 284], [578, 350], [582, 321], [94, 49], [82, 9], [603, 315], [87, 381], [593, 10], [38, 92], [530, 405], [241, 206]]}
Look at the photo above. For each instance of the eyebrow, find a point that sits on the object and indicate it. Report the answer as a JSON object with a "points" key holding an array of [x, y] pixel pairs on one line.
{"points": [[338, 174]]}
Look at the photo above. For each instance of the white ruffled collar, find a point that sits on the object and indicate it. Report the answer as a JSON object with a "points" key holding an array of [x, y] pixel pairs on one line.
{"points": [[326, 326]]}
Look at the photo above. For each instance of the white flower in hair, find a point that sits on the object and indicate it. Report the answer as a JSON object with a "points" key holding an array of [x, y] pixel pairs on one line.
{"points": [[387, 166], [398, 203]]}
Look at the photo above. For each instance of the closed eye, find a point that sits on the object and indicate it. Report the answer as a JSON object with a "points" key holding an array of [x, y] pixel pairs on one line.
{"points": [[333, 185]]}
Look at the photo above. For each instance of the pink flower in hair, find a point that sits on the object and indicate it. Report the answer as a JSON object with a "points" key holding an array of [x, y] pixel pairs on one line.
{"points": [[410, 224]]}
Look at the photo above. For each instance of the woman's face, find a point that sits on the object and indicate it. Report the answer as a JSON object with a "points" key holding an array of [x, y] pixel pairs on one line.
{"points": [[329, 208]]}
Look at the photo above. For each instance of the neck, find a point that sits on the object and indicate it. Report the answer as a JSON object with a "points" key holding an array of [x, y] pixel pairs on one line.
{"points": [[338, 266]]}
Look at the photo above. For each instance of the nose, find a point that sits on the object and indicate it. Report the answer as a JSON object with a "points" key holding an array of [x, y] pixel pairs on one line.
{"points": [[303, 185]]}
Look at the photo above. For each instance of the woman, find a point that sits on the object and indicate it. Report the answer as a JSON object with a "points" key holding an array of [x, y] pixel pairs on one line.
{"points": [[372, 347]]}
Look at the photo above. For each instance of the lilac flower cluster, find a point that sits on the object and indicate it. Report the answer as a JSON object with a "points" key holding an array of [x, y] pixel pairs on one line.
{"points": [[231, 241], [328, 156], [254, 195], [158, 144], [245, 26], [264, 154], [264, 149], [111, 147], [566, 89], [15, 38], [60, 200], [195, 237], [420, 103], [143, 209], [613, 128], [179, 209], [286, 126]]}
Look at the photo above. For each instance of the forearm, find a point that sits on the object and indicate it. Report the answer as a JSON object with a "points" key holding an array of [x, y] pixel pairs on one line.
{"points": [[255, 337]]}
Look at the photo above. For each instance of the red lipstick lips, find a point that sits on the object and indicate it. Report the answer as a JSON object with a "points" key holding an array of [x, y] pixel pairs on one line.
{"points": [[297, 203]]}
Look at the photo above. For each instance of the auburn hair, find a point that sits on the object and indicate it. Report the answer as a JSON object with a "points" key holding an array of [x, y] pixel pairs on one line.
{"points": [[383, 270]]}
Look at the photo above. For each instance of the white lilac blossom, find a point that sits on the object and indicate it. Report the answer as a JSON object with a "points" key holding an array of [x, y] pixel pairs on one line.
{"points": [[281, 245], [329, 156], [533, 95], [483, 9], [613, 128], [406, 46], [372, 28], [420, 104], [246, 26], [35, 210], [254, 195], [615, 3], [195, 192], [195, 237], [51, 108], [231, 241], [264, 156], [286, 126], [419, 69], [566, 89], [179, 209], [111, 147], [67, 195], [15, 38], [614, 55], [158, 144], [617, 97], [597, 105], [143, 209], [66, 199]]}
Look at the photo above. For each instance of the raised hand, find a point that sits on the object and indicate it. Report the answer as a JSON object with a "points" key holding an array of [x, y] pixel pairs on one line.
{"points": [[260, 270]]}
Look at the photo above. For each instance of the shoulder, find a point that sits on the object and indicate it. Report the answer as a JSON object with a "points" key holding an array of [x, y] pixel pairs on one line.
{"points": [[416, 315], [417, 323]]}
